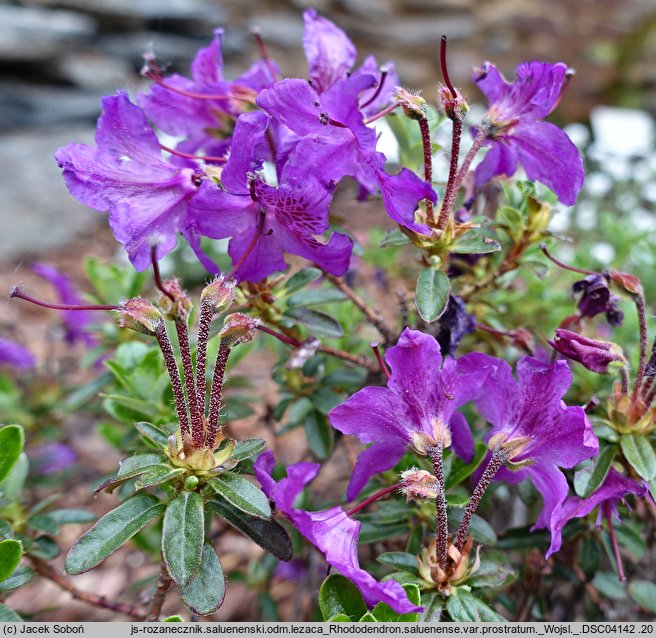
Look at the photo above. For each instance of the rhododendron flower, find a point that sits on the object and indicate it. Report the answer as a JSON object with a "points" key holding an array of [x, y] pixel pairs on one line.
{"points": [[147, 196], [517, 134], [528, 415], [263, 221], [596, 298], [606, 497], [331, 531], [417, 408], [15, 355], [594, 354]]}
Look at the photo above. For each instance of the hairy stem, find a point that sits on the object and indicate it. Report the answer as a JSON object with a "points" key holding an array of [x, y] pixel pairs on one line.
{"points": [[451, 186], [428, 164], [204, 322], [197, 433], [639, 300], [441, 522], [216, 393], [374, 497]]}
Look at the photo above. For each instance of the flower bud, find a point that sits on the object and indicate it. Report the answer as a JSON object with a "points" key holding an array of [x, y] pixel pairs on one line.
{"points": [[593, 354], [238, 328], [220, 294], [419, 485], [176, 306], [140, 315], [414, 106], [626, 282], [455, 108]]}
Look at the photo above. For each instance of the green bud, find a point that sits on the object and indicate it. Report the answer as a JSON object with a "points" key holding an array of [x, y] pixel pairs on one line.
{"points": [[191, 483]]}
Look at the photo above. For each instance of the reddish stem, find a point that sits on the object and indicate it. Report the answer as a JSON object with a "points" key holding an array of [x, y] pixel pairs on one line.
{"points": [[428, 163], [197, 432], [374, 497], [375, 347], [613, 541], [445, 72], [384, 71], [19, 294], [249, 249], [216, 393], [198, 96], [281, 337], [386, 111], [441, 523], [259, 40], [560, 264], [157, 276]]}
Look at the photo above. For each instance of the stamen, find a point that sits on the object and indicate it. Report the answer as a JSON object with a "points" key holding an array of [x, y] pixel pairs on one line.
{"points": [[374, 497], [249, 250], [246, 97], [379, 358], [383, 113], [560, 264], [203, 158], [18, 293], [445, 72], [257, 35], [384, 72]]}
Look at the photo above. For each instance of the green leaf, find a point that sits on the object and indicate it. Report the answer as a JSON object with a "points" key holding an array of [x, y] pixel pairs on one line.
{"points": [[588, 479], [315, 297], [511, 216], [174, 618], [639, 453], [247, 448], [129, 468], [493, 571], [269, 535], [183, 534], [475, 242], [433, 607], [301, 279], [384, 613], [325, 400], [644, 593], [432, 294], [205, 593], [338, 595], [12, 441], [589, 555], [156, 475], [486, 613], [152, 433], [9, 615], [481, 529], [368, 617], [43, 523], [243, 494], [318, 323], [111, 531], [299, 410], [22, 575], [609, 585], [399, 560], [68, 516], [341, 618], [462, 606], [320, 436], [394, 237], [10, 556], [43, 547], [461, 470], [370, 532], [12, 486]]}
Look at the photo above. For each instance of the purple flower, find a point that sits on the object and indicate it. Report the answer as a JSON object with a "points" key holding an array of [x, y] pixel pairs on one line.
{"points": [[517, 134], [417, 408], [331, 531], [331, 56], [607, 496], [147, 197], [75, 323], [202, 108], [336, 142], [593, 354], [596, 298], [51, 458], [15, 355], [263, 221], [529, 416]]}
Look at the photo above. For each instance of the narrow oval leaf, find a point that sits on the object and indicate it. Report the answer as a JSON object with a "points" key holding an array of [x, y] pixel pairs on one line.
{"points": [[318, 323], [242, 494], [338, 595], [384, 613], [12, 440], [156, 475], [10, 556], [301, 279], [644, 593], [21, 576], [205, 593], [183, 534], [462, 607], [639, 452], [152, 433], [247, 448], [475, 242], [590, 478], [432, 294], [111, 531], [9, 615], [269, 535], [129, 468], [68, 516], [320, 436], [399, 560]]}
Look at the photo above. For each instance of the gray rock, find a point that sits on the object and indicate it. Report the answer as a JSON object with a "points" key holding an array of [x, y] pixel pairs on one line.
{"points": [[37, 213], [32, 34], [90, 69]]}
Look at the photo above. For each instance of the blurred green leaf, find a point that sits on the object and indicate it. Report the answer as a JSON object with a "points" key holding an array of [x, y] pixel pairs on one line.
{"points": [[12, 441], [432, 294], [339, 596], [640, 454]]}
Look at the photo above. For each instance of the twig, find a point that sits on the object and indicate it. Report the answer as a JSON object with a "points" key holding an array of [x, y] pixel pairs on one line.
{"points": [[157, 601], [51, 573]]}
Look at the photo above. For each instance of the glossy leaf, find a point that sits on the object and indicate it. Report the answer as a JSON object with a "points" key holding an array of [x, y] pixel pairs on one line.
{"points": [[205, 593], [588, 479], [384, 613], [315, 297], [338, 595], [111, 531], [493, 571], [432, 294], [460, 470], [11, 552], [269, 535], [183, 535], [12, 441], [69, 516], [640, 454], [243, 494], [301, 279], [320, 436]]}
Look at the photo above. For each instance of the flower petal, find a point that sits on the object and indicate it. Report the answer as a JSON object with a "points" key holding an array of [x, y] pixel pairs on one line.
{"points": [[378, 458]]}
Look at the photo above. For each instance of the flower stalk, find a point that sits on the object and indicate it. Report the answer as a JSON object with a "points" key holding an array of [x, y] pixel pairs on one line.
{"points": [[441, 524]]}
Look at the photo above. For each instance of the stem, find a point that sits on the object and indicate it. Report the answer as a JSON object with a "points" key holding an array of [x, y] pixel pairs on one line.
{"points": [[613, 541], [560, 264], [624, 376], [494, 331], [374, 497], [498, 460], [249, 249], [18, 293], [441, 523], [639, 300], [384, 72], [651, 395], [451, 187], [373, 316], [157, 276], [157, 601], [216, 393], [257, 35], [379, 358], [445, 71], [428, 164], [204, 323], [188, 368], [481, 136], [295, 343], [204, 158], [54, 575], [386, 111], [174, 375]]}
